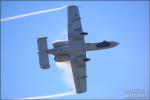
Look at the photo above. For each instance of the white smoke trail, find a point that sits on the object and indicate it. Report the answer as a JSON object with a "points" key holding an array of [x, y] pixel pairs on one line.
{"points": [[68, 75], [65, 66], [49, 96], [30, 14]]}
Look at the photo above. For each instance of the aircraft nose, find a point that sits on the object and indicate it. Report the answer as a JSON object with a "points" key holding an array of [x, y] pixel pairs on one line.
{"points": [[114, 44]]}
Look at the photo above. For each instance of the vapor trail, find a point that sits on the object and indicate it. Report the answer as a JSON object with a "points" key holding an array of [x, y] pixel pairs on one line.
{"points": [[67, 74], [51, 96], [30, 14]]}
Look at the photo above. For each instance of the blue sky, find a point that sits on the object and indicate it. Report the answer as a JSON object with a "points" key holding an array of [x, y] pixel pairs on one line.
{"points": [[110, 72]]}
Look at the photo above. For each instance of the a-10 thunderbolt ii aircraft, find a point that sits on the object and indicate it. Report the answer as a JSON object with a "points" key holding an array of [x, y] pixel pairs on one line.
{"points": [[73, 50]]}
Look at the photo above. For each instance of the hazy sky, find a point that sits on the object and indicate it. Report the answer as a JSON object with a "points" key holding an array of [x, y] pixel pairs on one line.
{"points": [[111, 73]]}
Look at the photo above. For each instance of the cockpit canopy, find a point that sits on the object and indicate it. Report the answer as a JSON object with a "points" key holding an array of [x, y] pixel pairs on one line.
{"points": [[103, 44]]}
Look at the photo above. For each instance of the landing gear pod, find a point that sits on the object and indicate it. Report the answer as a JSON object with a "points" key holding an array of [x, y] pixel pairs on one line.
{"points": [[84, 33], [86, 59]]}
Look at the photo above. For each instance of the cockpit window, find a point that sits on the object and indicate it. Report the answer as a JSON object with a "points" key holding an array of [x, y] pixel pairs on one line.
{"points": [[103, 44]]}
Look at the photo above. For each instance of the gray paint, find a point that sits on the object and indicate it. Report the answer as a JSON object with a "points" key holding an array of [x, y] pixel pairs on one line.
{"points": [[73, 50]]}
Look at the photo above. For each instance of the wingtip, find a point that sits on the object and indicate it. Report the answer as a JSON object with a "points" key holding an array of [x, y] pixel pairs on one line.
{"points": [[45, 67], [41, 38], [72, 6]]}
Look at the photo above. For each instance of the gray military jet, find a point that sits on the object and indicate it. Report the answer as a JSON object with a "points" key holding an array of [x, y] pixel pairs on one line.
{"points": [[73, 50]]}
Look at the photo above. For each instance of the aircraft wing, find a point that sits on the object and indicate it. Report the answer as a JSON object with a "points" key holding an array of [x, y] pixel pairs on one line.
{"points": [[74, 26], [76, 59], [79, 71]]}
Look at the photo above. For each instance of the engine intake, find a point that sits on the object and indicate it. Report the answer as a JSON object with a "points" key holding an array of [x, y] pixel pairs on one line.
{"points": [[60, 43]]}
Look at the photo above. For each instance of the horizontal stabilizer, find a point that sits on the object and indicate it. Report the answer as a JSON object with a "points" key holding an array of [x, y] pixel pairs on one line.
{"points": [[42, 51]]}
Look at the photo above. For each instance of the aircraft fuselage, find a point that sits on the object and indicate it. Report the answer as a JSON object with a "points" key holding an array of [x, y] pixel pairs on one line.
{"points": [[70, 48]]}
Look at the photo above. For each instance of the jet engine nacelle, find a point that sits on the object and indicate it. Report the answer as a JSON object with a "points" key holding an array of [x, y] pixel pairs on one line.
{"points": [[61, 58], [86, 59], [84, 33], [60, 44]]}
